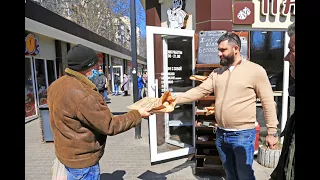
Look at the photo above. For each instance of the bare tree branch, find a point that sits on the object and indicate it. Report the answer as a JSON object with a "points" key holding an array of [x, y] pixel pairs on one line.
{"points": [[98, 16]]}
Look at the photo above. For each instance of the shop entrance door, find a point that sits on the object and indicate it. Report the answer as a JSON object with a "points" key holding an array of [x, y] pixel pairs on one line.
{"points": [[171, 134]]}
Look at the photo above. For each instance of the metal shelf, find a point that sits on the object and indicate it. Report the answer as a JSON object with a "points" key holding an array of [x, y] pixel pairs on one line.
{"points": [[206, 130], [207, 157], [212, 167], [206, 142], [207, 65], [208, 98], [180, 123]]}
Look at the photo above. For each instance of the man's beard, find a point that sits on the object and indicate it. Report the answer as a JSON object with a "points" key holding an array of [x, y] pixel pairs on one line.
{"points": [[227, 61]]}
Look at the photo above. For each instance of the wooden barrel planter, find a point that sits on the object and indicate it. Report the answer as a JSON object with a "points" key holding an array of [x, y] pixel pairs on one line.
{"points": [[268, 157]]}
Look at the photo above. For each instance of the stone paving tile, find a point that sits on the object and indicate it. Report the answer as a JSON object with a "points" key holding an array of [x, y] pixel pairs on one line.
{"points": [[124, 158]]}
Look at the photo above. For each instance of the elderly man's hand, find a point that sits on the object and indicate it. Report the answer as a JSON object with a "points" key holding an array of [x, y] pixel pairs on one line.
{"points": [[145, 112]]}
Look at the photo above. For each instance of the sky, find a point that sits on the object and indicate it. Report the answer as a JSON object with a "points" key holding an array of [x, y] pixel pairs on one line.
{"points": [[139, 22]]}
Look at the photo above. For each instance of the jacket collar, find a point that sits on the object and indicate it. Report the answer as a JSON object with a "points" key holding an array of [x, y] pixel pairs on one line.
{"points": [[81, 78]]}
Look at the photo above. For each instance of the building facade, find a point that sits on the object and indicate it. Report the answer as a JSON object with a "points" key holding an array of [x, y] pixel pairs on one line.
{"points": [[48, 38], [261, 23]]}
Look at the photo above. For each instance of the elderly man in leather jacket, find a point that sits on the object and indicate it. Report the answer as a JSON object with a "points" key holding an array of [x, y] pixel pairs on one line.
{"points": [[285, 168], [79, 117]]}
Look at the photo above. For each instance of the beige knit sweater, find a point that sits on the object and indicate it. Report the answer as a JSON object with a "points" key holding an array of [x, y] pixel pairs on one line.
{"points": [[236, 93]]}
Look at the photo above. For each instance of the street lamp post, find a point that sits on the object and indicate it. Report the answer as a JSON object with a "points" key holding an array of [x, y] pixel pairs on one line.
{"points": [[134, 59]]}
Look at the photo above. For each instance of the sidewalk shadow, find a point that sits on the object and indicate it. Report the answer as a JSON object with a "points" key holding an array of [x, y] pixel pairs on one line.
{"points": [[148, 175], [162, 176], [116, 175]]}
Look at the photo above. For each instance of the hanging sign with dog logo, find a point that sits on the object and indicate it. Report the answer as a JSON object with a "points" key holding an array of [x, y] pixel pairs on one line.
{"points": [[177, 16]]}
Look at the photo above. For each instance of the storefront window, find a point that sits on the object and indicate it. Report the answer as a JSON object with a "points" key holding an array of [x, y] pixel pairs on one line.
{"points": [[39, 74], [41, 81], [267, 49], [51, 71], [129, 67], [30, 106]]}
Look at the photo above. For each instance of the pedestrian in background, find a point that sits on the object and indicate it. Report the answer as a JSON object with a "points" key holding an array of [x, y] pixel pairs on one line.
{"points": [[140, 85], [117, 83], [144, 92], [100, 82], [125, 85]]}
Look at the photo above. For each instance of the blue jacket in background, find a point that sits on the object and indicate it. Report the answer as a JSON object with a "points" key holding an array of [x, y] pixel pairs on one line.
{"points": [[140, 83]]}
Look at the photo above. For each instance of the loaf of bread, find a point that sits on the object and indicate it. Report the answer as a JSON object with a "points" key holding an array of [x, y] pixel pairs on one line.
{"points": [[198, 77]]}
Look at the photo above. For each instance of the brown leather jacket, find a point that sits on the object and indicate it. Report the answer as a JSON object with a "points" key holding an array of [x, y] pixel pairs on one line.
{"points": [[81, 120]]}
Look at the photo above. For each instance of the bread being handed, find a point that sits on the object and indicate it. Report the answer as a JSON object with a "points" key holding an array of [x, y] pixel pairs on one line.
{"points": [[198, 77], [164, 104], [168, 101]]}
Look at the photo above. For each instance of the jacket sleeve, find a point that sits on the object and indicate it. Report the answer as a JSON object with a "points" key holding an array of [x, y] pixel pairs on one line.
{"points": [[93, 112], [265, 93], [196, 93]]}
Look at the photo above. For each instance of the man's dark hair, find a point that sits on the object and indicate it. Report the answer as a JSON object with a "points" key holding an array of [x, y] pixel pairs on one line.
{"points": [[232, 39]]}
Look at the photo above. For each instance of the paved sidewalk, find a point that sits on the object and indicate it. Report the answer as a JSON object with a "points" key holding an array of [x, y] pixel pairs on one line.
{"points": [[125, 157]]}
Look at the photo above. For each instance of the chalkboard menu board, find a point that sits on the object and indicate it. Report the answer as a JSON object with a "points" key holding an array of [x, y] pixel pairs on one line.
{"points": [[244, 47], [208, 47]]}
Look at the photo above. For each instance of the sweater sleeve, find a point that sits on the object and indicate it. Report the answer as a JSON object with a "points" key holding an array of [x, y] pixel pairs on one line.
{"points": [[196, 93], [265, 93]]}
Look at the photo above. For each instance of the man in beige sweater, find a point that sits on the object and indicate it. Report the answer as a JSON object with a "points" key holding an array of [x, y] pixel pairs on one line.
{"points": [[236, 86]]}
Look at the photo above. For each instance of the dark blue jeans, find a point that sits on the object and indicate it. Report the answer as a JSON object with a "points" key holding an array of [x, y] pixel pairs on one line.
{"points": [[116, 90], [105, 94], [236, 151], [89, 173], [139, 95]]}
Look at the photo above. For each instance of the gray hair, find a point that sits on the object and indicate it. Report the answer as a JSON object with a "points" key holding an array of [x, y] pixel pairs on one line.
{"points": [[291, 29]]}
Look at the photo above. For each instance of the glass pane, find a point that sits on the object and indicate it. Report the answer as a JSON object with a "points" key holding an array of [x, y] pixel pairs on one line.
{"points": [[267, 49], [41, 81], [129, 67], [175, 129], [50, 70], [29, 90]]}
